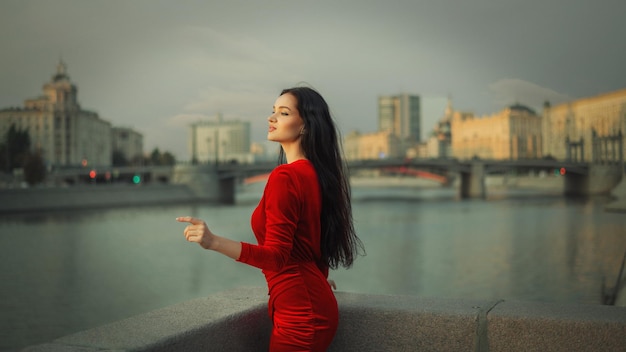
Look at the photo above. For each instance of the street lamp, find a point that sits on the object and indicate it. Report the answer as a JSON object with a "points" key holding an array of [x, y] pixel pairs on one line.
{"points": [[217, 146]]}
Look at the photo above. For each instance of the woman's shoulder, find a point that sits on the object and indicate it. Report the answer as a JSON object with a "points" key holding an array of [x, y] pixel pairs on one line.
{"points": [[298, 168]]}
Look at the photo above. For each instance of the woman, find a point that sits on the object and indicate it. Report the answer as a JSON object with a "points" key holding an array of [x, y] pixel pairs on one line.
{"points": [[303, 224]]}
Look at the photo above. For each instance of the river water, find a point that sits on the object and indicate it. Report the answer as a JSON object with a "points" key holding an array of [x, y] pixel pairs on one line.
{"points": [[64, 272]]}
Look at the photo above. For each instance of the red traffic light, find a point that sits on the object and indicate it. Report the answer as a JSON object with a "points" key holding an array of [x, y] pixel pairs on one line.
{"points": [[562, 171], [92, 174]]}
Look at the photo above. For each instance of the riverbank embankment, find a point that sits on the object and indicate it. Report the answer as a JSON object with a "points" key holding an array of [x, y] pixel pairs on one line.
{"points": [[38, 199]]}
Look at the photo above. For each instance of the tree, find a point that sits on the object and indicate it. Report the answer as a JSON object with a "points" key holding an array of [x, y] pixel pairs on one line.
{"points": [[4, 158], [168, 159], [139, 160], [155, 157], [34, 168], [119, 159], [158, 158], [17, 148]]}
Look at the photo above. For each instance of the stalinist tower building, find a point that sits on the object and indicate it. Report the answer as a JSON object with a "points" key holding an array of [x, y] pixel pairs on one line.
{"points": [[65, 134]]}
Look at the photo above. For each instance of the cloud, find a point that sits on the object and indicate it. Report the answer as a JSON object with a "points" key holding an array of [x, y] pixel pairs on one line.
{"points": [[162, 66], [509, 91], [226, 56], [186, 119], [245, 102]]}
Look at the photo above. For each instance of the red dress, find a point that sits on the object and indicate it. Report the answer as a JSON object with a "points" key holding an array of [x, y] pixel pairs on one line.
{"points": [[286, 224]]}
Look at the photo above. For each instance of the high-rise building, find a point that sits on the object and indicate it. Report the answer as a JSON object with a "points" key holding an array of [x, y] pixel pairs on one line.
{"points": [[64, 133], [399, 128], [400, 115], [220, 141]]}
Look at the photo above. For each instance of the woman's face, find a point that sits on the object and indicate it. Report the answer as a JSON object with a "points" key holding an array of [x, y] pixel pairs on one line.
{"points": [[285, 123]]}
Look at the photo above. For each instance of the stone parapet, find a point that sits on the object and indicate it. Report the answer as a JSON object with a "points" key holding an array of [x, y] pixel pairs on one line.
{"points": [[237, 320], [549, 327]]}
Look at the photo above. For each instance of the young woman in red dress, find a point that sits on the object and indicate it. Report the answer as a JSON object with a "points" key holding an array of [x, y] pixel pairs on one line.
{"points": [[303, 224]]}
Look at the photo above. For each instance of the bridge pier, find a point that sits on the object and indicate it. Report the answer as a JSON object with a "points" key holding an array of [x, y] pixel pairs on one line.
{"points": [[473, 182], [205, 183], [202, 180], [601, 179], [619, 193], [227, 190]]}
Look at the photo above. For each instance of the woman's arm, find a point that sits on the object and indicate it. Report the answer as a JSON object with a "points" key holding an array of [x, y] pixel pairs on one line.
{"points": [[197, 231], [281, 211]]}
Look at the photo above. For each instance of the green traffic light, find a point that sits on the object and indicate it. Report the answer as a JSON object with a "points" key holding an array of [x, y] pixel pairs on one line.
{"points": [[136, 179]]}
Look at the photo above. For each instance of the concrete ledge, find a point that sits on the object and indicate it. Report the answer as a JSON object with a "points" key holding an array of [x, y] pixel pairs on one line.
{"points": [[523, 326], [237, 320], [407, 323], [234, 320]]}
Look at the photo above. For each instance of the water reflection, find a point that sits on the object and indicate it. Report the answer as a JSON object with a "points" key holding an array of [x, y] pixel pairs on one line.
{"points": [[68, 271]]}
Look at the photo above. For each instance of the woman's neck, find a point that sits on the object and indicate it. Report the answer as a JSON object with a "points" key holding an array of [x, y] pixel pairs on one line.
{"points": [[293, 152]]}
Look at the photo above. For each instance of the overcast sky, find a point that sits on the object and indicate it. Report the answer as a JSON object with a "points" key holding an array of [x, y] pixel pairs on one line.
{"points": [[157, 66]]}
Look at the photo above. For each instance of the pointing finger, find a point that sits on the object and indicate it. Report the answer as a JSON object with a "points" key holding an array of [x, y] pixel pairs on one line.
{"points": [[189, 219]]}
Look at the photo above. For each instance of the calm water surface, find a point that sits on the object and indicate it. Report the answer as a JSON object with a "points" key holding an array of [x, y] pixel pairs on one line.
{"points": [[69, 271]]}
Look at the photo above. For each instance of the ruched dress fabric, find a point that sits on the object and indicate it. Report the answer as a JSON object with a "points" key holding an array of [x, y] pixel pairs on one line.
{"points": [[286, 224]]}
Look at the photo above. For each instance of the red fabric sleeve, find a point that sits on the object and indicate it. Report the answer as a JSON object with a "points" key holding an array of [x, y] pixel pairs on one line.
{"points": [[282, 211]]}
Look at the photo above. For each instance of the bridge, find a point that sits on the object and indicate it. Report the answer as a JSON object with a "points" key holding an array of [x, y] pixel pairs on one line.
{"points": [[218, 182], [581, 178]]}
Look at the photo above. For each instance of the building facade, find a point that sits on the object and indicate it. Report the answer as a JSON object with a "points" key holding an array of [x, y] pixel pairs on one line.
{"points": [[220, 141], [64, 133], [586, 129], [128, 142], [513, 133], [369, 146]]}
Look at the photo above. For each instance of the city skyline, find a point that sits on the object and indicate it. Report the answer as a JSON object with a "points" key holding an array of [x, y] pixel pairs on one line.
{"points": [[158, 67]]}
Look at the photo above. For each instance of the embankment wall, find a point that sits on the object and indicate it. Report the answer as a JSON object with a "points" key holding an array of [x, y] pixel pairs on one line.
{"points": [[206, 190], [92, 196]]}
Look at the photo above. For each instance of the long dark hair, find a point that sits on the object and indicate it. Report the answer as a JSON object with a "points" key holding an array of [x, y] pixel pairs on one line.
{"points": [[320, 143]]}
